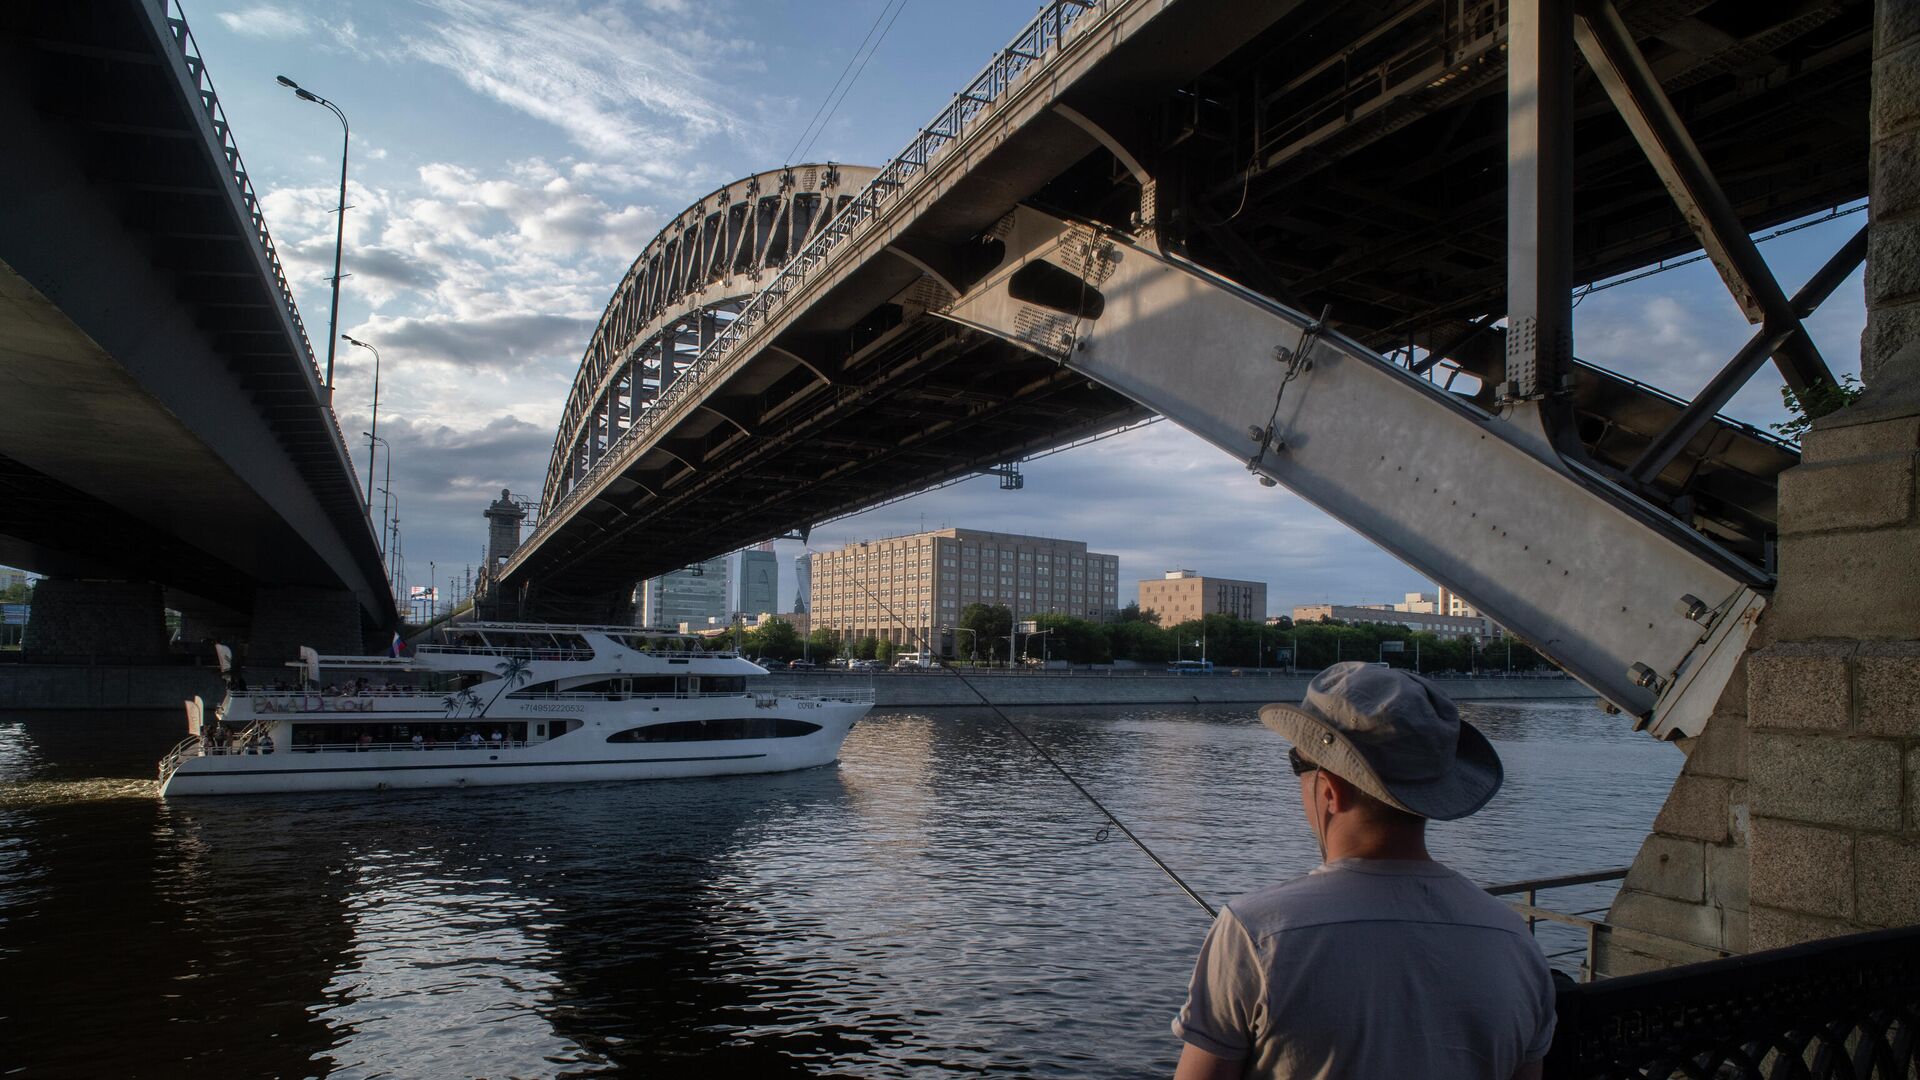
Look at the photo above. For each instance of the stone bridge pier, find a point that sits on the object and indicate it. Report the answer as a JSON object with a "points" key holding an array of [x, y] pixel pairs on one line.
{"points": [[1797, 814]]}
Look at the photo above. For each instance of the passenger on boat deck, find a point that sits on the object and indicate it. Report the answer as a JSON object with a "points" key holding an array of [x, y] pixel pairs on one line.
{"points": [[496, 738], [419, 741], [366, 739]]}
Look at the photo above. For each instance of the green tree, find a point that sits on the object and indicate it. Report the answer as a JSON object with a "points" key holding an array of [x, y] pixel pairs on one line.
{"points": [[823, 645], [775, 638], [883, 652], [990, 623], [866, 647], [1080, 641], [21, 593], [1140, 641], [1815, 402]]}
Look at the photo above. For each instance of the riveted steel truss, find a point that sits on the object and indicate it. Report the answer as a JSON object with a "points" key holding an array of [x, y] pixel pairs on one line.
{"points": [[690, 281]]}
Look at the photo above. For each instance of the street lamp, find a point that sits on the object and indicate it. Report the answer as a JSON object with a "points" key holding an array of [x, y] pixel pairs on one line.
{"points": [[386, 495], [340, 226], [376, 415], [969, 630], [1044, 646]]}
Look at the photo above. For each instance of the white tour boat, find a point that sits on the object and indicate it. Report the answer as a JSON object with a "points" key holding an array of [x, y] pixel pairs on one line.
{"points": [[507, 703]]}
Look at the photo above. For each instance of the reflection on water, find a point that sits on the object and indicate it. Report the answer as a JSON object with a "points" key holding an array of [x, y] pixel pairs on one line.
{"points": [[938, 903]]}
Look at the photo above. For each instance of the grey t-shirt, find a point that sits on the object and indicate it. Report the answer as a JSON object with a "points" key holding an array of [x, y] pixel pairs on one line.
{"points": [[1371, 968]]}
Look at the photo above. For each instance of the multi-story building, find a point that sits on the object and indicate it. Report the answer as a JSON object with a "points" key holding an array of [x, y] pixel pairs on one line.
{"points": [[803, 582], [904, 588], [692, 596], [1182, 595], [1430, 621], [759, 581]]}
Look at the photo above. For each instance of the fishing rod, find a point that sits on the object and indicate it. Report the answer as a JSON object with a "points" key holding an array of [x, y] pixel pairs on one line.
{"points": [[926, 649]]}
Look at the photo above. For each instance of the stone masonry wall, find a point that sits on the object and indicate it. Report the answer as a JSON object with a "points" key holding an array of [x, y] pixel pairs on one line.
{"points": [[96, 618], [285, 618], [1797, 814]]}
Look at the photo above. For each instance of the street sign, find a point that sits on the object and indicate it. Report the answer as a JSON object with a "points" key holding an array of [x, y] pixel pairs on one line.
{"points": [[1283, 654], [1393, 646], [1029, 627]]}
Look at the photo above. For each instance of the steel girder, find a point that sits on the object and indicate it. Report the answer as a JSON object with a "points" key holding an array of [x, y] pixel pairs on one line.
{"points": [[691, 279]]}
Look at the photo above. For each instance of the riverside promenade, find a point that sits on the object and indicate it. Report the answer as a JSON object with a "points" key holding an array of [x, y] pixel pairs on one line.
{"points": [[106, 687], [912, 689]]}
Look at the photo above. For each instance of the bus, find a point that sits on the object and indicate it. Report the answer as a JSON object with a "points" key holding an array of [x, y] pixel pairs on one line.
{"points": [[1189, 667]]}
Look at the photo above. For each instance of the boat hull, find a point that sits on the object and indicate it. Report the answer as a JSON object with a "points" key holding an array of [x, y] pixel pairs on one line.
{"points": [[580, 756]]}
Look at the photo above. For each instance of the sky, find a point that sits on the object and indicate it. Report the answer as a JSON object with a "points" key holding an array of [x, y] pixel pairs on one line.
{"points": [[510, 158]]}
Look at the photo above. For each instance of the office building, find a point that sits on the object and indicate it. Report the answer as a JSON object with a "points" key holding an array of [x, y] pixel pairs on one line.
{"points": [[904, 588], [1429, 621], [803, 582], [759, 581], [692, 596], [1182, 595]]}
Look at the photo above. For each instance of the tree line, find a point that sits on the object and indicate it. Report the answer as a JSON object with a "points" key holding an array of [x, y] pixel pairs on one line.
{"points": [[981, 637]]}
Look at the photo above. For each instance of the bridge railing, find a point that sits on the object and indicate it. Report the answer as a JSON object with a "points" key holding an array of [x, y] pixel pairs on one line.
{"points": [[237, 169], [1045, 34]]}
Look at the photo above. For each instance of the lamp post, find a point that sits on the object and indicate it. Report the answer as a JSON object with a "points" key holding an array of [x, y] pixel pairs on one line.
{"points": [[1044, 645], [375, 427], [969, 630], [340, 225], [385, 492]]}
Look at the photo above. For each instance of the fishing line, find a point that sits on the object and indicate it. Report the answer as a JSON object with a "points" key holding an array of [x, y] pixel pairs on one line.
{"points": [[1101, 835]]}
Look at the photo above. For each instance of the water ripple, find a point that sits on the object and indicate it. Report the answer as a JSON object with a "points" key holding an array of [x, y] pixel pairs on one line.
{"points": [[937, 904]]}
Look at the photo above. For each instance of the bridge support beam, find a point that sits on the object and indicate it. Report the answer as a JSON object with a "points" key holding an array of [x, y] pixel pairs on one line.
{"points": [[72, 618], [1796, 816]]}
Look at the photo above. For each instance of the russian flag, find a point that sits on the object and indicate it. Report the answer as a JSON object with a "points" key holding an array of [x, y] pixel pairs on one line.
{"points": [[398, 647]]}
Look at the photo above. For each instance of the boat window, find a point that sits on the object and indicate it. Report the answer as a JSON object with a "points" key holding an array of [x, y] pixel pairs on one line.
{"points": [[723, 684], [433, 735], [614, 687], [745, 727]]}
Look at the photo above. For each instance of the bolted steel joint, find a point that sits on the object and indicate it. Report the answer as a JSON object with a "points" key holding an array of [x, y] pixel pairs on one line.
{"points": [[1644, 676], [1692, 607]]}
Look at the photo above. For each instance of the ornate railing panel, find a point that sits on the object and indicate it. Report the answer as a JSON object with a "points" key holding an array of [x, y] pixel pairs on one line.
{"points": [[1845, 1007]]}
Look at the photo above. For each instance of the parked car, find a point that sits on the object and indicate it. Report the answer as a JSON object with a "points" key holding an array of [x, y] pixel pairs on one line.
{"points": [[839, 662], [799, 665]]}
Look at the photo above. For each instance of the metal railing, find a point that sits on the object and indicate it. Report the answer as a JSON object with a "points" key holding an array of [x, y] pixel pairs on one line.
{"points": [[1843, 1007], [1041, 37], [183, 40]]}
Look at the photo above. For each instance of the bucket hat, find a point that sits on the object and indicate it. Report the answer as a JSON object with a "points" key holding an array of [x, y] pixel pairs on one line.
{"points": [[1395, 736]]}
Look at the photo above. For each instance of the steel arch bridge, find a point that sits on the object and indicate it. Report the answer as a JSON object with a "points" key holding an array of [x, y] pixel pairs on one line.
{"points": [[688, 283]]}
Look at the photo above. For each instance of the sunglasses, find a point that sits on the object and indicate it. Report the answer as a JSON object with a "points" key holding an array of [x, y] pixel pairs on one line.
{"points": [[1301, 766]]}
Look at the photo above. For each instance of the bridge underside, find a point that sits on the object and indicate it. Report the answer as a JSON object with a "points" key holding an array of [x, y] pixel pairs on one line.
{"points": [[920, 403], [163, 419], [1347, 157]]}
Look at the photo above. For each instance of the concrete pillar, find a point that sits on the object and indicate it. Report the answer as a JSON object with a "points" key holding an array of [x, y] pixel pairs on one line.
{"points": [[286, 617], [121, 619], [1809, 771]]}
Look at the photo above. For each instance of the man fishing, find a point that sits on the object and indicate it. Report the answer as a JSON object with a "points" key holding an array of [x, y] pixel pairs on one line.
{"points": [[1381, 962]]}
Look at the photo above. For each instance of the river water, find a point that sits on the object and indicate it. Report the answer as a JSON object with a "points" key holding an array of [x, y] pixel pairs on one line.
{"points": [[938, 903]]}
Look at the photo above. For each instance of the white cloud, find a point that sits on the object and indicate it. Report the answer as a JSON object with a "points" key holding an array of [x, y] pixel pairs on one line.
{"points": [[617, 89], [267, 21]]}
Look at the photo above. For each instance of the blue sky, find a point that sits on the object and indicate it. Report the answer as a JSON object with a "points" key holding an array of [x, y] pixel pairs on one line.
{"points": [[511, 157]]}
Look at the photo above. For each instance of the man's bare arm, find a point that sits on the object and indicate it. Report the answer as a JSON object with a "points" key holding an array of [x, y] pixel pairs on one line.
{"points": [[1197, 1064]]}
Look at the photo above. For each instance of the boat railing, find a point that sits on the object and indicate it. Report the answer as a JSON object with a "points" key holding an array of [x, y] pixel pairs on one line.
{"points": [[427, 746], [551, 652], [611, 695], [186, 748]]}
